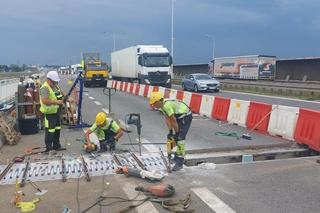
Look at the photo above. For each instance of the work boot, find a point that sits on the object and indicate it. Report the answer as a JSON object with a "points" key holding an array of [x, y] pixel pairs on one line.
{"points": [[178, 163]]}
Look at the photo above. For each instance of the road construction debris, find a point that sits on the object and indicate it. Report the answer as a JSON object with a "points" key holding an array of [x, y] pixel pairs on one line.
{"points": [[7, 129], [85, 168], [159, 190], [150, 175], [25, 172]]}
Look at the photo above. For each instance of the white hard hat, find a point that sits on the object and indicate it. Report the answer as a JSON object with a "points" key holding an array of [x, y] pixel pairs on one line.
{"points": [[53, 75]]}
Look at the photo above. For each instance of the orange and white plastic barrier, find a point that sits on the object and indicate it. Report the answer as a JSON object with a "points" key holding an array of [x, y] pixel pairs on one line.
{"points": [[221, 108], [283, 121], [206, 105], [238, 112], [308, 128]]}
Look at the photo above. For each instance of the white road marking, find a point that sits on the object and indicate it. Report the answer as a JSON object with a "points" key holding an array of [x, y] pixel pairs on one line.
{"points": [[98, 103], [86, 93], [268, 96], [212, 200], [91, 98], [129, 189]]}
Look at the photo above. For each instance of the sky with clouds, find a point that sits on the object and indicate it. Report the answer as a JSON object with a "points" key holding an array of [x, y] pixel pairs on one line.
{"points": [[56, 32]]}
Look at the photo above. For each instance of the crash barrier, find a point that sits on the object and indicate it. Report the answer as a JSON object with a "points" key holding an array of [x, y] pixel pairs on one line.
{"points": [[291, 123], [220, 108], [283, 121], [238, 112], [195, 102], [206, 105], [258, 116], [308, 128]]}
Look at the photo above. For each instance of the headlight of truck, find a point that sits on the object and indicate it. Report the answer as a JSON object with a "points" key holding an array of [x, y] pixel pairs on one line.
{"points": [[168, 81], [147, 81]]}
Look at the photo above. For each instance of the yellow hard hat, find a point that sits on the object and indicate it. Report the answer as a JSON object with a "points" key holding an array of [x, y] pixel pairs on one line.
{"points": [[155, 96], [101, 118]]}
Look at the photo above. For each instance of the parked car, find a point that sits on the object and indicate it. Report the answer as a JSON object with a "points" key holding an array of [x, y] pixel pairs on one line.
{"points": [[200, 82]]}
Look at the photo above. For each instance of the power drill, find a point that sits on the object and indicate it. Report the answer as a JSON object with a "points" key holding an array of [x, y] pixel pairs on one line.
{"points": [[171, 143]]}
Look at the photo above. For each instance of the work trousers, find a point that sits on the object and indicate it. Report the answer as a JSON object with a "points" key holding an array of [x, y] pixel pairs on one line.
{"points": [[184, 126], [52, 131]]}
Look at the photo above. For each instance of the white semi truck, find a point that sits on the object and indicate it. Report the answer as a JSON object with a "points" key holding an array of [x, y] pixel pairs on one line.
{"points": [[147, 64]]}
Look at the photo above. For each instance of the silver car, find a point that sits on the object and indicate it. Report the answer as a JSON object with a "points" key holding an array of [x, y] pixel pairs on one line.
{"points": [[200, 82]]}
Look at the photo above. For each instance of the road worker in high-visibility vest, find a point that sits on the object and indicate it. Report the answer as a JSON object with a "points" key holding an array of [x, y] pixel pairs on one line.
{"points": [[51, 99], [108, 132], [178, 119]]}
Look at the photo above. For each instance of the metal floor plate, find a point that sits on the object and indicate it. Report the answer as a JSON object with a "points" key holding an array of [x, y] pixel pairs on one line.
{"points": [[101, 165]]}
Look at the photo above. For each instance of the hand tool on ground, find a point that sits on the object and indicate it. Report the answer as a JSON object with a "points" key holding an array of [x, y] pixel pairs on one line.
{"points": [[159, 190], [28, 206], [117, 160], [142, 166], [150, 175], [166, 163], [36, 187], [25, 172], [18, 194], [85, 168], [63, 168], [30, 150], [7, 169], [247, 135]]}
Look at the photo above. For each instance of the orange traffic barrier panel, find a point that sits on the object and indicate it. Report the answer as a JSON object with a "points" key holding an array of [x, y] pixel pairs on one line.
{"points": [[220, 108], [258, 116], [166, 93], [121, 86], [308, 128], [125, 86], [155, 89], [146, 90], [131, 88], [180, 95], [137, 89], [195, 102]]}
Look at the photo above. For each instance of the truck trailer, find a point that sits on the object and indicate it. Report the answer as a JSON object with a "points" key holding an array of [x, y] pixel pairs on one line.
{"points": [[146, 64], [251, 67]]}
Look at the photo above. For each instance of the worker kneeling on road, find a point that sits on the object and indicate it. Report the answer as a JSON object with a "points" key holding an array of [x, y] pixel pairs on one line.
{"points": [[178, 119], [107, 131], [51, 99]]}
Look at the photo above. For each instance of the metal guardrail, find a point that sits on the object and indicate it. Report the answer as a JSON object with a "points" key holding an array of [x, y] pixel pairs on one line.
{"points": [[8, 87]]}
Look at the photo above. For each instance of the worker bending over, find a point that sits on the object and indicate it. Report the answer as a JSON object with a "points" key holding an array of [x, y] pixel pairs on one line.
{"points": [[178, 119], [107, 131]]}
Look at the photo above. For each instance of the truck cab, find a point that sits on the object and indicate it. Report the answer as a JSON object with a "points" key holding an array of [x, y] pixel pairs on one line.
{"points": [[146, 64], [96, 72], [154, 66]]}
